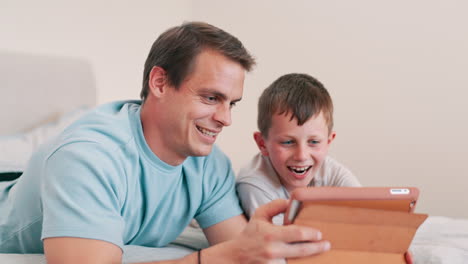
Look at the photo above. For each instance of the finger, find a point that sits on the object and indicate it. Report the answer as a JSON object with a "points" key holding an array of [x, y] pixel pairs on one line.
{"points": [[295, 233], [301, 249], [408, 257], [269, 210]]}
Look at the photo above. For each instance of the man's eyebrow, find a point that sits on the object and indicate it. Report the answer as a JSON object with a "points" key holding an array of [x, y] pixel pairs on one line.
{"points": [[236, 100], [220, 95]]}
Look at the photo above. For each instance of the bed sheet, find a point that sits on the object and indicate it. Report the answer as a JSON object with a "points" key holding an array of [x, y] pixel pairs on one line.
{"points": [[439, 240]]}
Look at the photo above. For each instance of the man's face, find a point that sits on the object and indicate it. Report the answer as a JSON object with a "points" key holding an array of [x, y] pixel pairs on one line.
{"points": [[197, 112], [296, 152]]}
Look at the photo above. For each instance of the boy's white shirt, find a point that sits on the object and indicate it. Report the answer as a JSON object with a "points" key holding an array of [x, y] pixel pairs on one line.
{"points": [[258, 182]]}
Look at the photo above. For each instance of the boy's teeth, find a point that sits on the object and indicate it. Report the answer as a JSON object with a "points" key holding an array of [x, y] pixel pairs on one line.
{"points": [[299, 169]]}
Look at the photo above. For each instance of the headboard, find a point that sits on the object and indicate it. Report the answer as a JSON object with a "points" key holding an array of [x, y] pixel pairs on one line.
{"points": [[35, 88]]}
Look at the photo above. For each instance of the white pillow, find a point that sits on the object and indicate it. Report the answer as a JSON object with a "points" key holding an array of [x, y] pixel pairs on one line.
{"points": [[15, 150]]}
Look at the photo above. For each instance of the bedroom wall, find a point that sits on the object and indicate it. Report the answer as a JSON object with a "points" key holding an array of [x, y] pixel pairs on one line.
{"points": [[397, 71], [114, 36]]}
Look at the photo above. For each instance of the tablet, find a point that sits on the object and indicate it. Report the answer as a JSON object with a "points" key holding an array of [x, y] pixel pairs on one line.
{"points": [[385, 198]]}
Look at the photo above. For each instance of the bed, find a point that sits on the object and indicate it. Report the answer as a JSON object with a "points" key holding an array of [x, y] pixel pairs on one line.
{"points": [[28, 117]]}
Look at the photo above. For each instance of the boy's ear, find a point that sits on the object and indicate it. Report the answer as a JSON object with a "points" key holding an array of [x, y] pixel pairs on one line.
{"points": [[260, 143], [331, 137], [157, 81]]}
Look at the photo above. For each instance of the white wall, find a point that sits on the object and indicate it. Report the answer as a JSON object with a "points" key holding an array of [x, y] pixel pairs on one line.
{"points": [[395, 69], [115, 36]]}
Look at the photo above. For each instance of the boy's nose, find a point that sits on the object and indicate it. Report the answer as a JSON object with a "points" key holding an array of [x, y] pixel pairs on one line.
{"points": [[301, 153]]}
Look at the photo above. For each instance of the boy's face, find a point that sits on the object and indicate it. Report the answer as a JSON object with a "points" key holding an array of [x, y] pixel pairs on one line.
{"points": [[296, 152]]}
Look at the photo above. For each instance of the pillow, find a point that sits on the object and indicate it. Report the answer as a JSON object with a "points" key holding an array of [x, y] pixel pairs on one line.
{"points": [[16, 149]]}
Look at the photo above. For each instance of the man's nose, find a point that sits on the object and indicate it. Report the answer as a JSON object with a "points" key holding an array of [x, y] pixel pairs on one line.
{"points": [[223, 115]]}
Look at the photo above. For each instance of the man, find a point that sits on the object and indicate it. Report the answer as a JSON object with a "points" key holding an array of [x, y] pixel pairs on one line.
{"points": [[136, 172]]}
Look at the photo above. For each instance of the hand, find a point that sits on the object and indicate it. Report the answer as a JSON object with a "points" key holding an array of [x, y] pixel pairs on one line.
{"points": [[263, 242]]}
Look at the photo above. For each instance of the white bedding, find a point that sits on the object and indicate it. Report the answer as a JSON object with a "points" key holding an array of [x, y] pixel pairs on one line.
{"points": [[439, 240]]}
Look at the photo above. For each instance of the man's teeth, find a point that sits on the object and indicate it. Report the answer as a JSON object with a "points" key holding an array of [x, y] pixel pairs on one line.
{"points": [[300, 170], [207, 132]]}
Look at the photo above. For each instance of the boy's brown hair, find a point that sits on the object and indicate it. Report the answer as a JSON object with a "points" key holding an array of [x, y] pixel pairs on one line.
{"points": [[299, 95]]}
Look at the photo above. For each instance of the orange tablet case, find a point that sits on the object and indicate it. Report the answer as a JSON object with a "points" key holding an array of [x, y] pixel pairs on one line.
{"points": [[364, 225]]}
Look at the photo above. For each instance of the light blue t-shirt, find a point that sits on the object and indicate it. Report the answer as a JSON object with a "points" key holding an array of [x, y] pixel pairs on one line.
{"points": [[100, 180]]}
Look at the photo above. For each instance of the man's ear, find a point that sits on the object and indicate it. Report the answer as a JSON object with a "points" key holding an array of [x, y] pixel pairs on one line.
{"points": [[331, 137], [157, 81], [260, 143]]}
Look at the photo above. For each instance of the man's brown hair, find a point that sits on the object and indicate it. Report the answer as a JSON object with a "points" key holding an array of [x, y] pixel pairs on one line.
{"points": [[299, 95], [176, 49]]}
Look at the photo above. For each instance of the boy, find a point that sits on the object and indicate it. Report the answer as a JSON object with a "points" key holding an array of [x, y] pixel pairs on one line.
{"points": [[295, 119]]}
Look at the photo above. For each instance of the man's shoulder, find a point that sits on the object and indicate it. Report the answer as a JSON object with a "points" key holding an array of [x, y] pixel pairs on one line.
{"points": [[102, 135], [108, 124]]}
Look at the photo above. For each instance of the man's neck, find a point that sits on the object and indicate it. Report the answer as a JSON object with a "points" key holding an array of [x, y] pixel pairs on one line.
{"points": [[156, 140]]}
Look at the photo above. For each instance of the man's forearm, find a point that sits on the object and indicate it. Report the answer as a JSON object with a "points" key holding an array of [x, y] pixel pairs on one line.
{"points": [[226, 251], [189, 259]]}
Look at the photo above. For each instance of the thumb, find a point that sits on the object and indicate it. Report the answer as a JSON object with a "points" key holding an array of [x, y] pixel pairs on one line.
{"points": [[271, 209]]}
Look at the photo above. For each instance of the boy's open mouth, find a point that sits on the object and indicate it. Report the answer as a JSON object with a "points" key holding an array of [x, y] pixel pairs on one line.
{"points": [[299, 170]]}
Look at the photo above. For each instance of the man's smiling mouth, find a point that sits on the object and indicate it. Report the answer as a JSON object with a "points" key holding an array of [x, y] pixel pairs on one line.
{"points": [[207, 132]]}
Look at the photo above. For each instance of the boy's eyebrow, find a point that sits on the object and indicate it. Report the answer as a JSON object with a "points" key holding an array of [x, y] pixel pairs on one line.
{"points": [[292, 136]]}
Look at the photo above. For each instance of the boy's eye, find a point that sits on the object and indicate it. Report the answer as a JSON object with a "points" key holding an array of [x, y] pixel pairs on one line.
{"points": [[314, 142], [287, 142]]}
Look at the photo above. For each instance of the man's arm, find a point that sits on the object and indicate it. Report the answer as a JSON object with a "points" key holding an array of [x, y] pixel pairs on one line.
{"points": [[259, 242], [263, 242], [225, 230], [71, 250]]}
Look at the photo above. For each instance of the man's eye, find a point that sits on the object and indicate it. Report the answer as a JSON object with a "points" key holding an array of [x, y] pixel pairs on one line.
{"points": [[232, 104], [210, 99]]}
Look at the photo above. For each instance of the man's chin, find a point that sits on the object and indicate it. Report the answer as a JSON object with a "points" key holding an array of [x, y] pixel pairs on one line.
{"points": [[202, 151]]}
